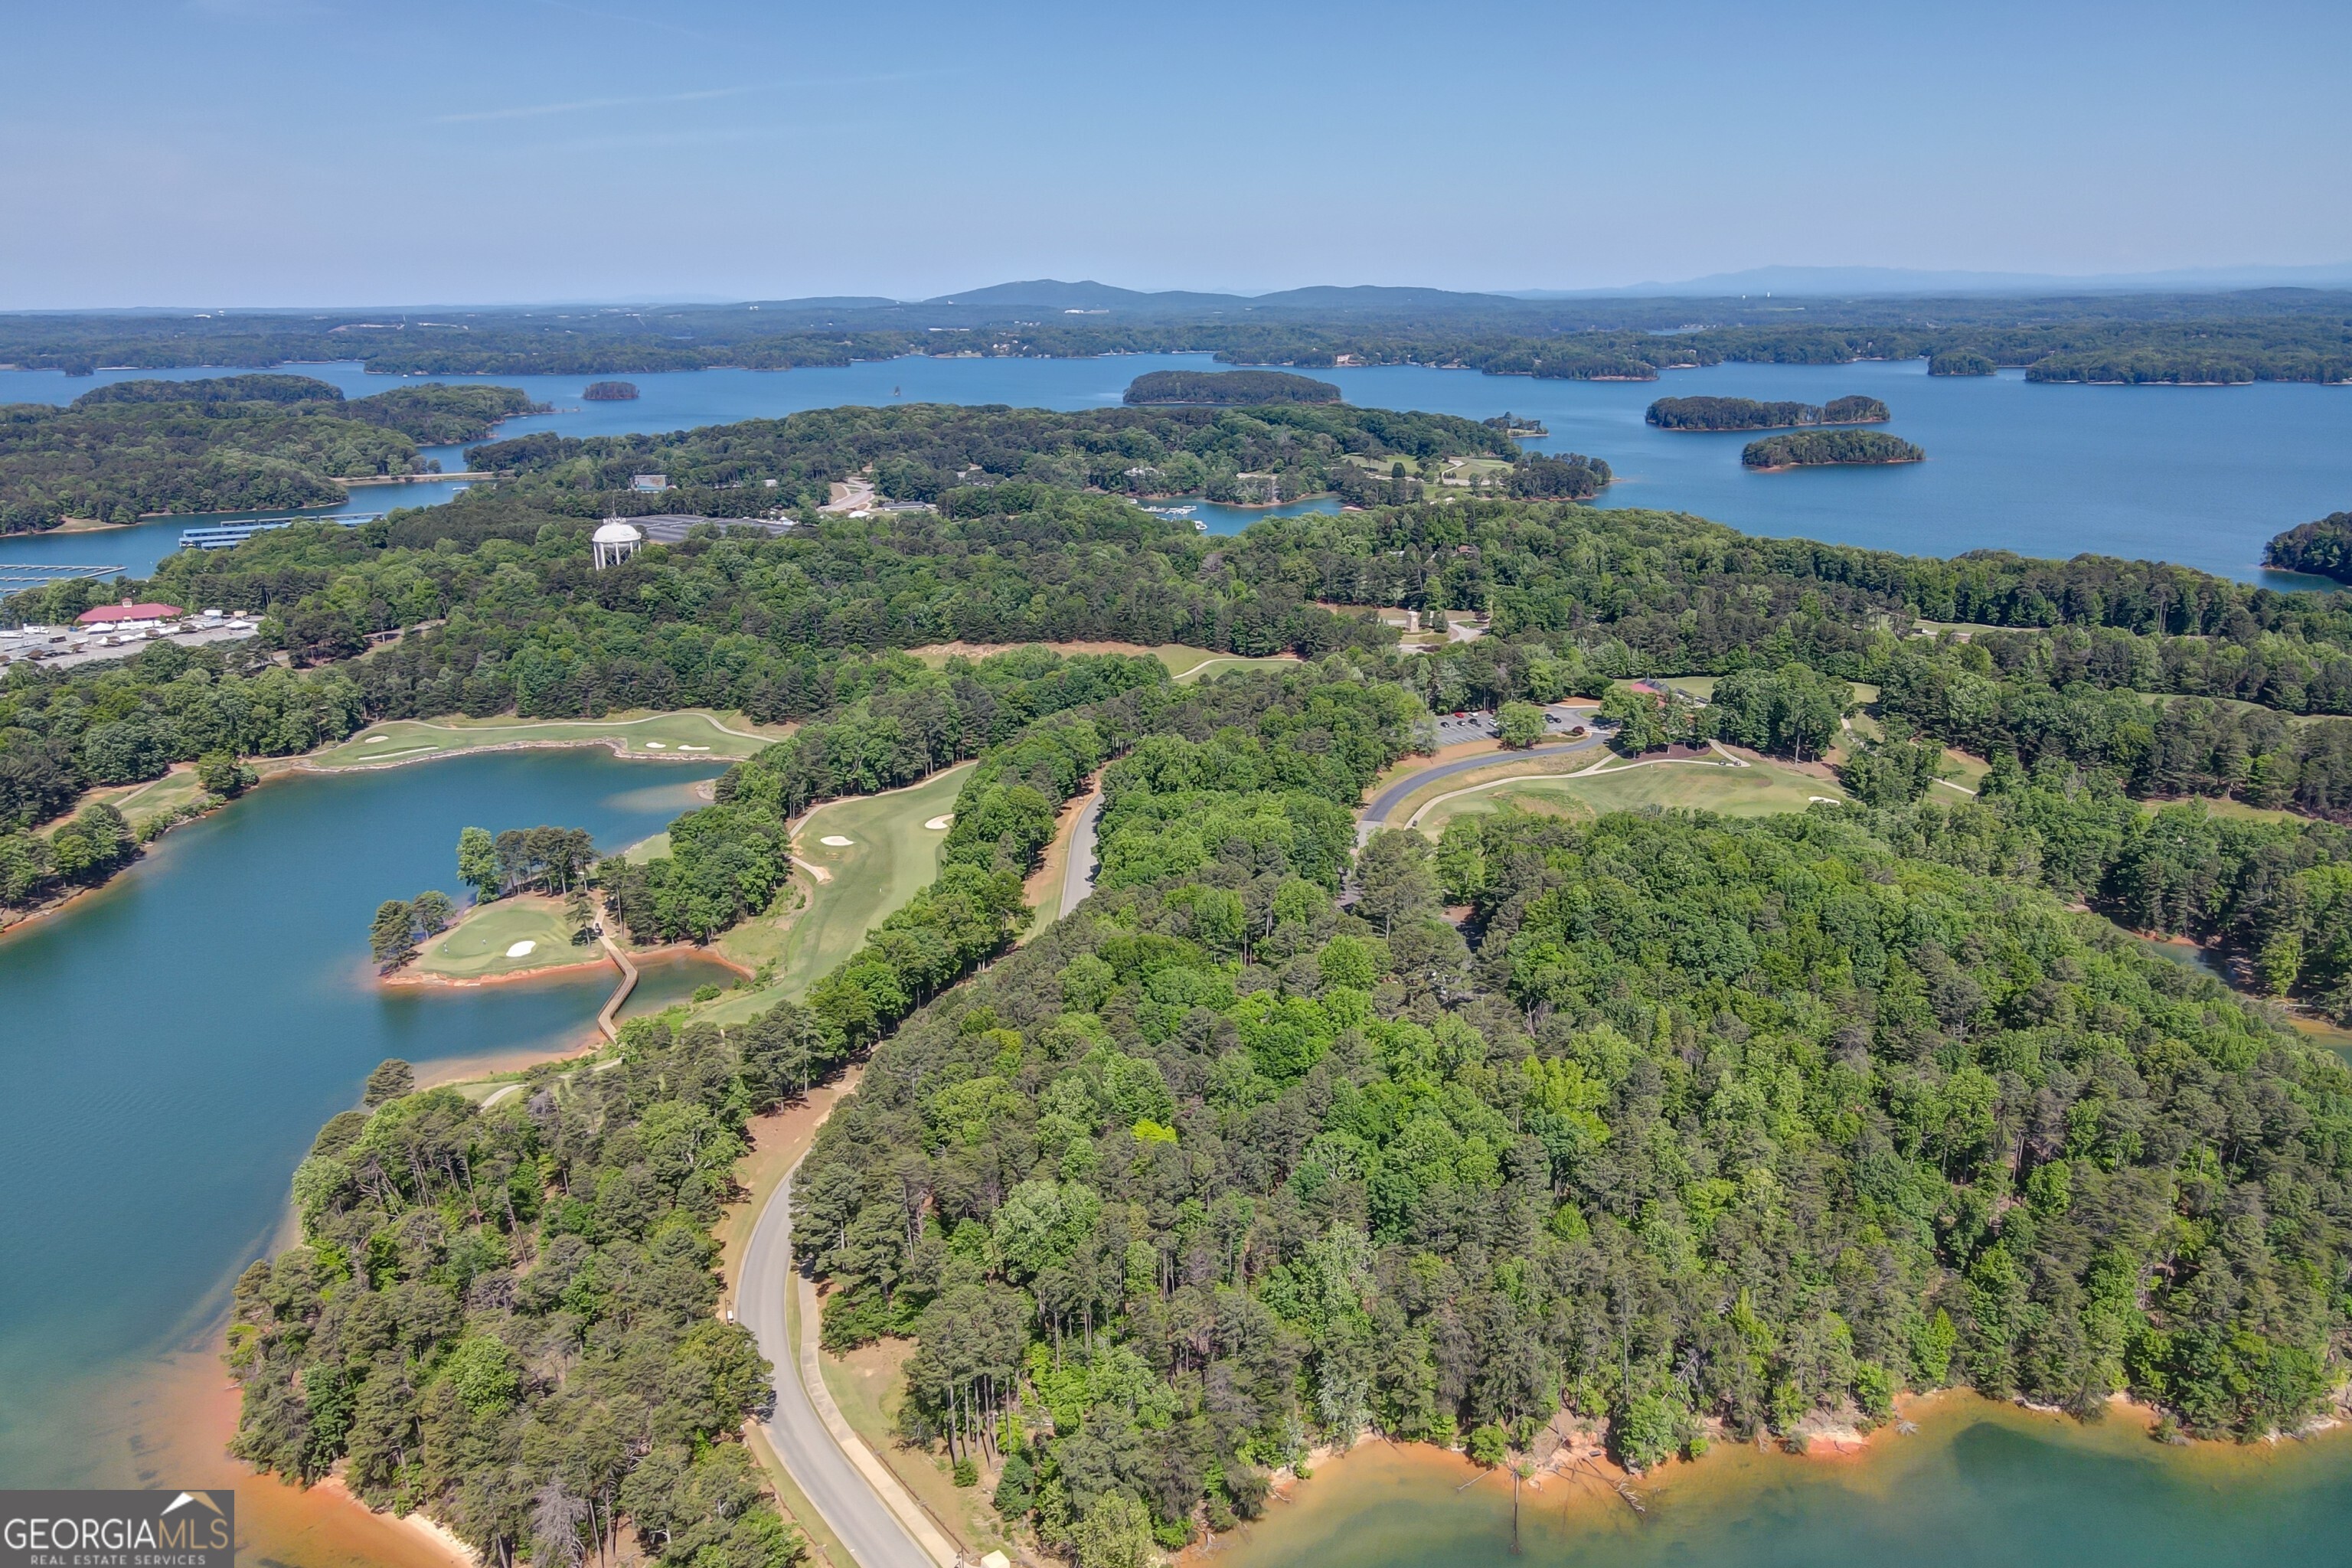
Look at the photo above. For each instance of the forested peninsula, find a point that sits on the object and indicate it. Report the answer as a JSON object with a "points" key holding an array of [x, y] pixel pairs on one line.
{"points": [[222, 444], [1748, 413], [1226, 388], [1823, 447], [1691, 1128], [926, 452], [2323, 548]]}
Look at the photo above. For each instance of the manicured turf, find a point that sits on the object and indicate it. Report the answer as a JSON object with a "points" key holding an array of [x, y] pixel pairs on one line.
{"points": [[168, 794], [1759, 790], [476, 947], [1184, 662], [689, 732], [890, 856]]}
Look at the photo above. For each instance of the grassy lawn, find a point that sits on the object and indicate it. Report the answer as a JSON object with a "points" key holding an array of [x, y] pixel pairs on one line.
{"points": [[1703, 687], [869, 1384], [1196, 664], [1964, 769], [476, 947], [1184, 662], [159, 797], [690, 732], [2223, 805], [1760, 790], [644, 849], [1506, 766], [890, 857]]}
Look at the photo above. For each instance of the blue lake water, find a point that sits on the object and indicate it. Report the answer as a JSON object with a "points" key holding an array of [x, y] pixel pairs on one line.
{"points": [[170, 1045], [2202, 476]]}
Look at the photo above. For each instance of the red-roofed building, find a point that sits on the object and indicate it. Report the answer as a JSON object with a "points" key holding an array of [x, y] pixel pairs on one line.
{"points": [[127, 616]]}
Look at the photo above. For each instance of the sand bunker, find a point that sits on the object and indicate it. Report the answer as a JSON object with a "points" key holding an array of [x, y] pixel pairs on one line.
{"points": [[939, 823], [377, 740], [694, 748], [521, 950], [656, 746], [837, 841]]}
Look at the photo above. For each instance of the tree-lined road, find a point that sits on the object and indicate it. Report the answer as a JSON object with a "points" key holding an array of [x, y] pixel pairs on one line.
{"points": [[848, 1501]]}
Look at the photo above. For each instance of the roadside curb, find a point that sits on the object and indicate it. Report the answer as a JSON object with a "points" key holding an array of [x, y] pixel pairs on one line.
{"points": [[870, 1464]]}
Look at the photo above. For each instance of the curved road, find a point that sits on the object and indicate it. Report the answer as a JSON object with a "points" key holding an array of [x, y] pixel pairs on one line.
{"points": [[847, 1500], [1376, 815], [1078, 869]]}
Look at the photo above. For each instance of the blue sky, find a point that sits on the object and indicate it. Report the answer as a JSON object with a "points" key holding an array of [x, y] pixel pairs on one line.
{"points": [[318, 151]]}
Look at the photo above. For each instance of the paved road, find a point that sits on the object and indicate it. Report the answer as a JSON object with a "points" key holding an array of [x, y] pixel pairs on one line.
{"points": [[1078, 871], [1376, 815], [857, 1515]]}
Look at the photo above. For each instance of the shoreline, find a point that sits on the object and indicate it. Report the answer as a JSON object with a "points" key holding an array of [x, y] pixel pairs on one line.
{"points": [[1718, 1487], [1867, 463], [275, 768], [617, 744], [404, 979]]}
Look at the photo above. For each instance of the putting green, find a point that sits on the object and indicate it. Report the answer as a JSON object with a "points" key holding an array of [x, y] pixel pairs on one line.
{"points": [[889, 857], [481, 945], [690, 732]]}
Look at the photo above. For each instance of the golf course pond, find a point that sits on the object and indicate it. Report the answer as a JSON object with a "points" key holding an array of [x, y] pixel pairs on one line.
{"points": [[171, 1042]]}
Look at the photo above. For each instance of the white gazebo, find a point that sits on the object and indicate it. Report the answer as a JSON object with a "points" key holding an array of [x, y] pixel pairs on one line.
{"points": [[615, 542]]}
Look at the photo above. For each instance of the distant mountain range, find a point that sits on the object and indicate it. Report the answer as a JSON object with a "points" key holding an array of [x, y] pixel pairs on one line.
{"points": [[1044, 298], [1042, 301]]}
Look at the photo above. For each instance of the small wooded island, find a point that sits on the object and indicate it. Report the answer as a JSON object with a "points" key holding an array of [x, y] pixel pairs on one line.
{"points": [[1748, 413], [1962, 362], [611, 392], [2323, 548], [1227, 388], [1821, 448]]}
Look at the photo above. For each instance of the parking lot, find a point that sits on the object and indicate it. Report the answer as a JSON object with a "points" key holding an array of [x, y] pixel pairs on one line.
{"points": [[1453, 728], [1458, 729], [62, 647]]}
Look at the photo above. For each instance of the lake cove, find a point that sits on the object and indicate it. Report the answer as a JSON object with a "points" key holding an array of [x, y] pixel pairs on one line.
{"points": [[2202, 476], [1979, 1485], [171, 1044]]}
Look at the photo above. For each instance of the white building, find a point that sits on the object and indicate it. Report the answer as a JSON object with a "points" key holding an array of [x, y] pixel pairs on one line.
{"points": [[614, 542]]}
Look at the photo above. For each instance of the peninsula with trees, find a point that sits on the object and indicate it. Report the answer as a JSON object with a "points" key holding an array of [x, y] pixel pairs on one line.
{"points": [[135, 449], [1225, 388], [2323, 548], [1824, 448], [1748, 413]]}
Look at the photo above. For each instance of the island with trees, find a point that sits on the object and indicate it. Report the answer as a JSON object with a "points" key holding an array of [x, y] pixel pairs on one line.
{"points": [[1571, 476], [1225, 388], [1962, 362], [611, 392], [2322, 547], [1748, 413], [1679, 1126], [134, 448], [1815, 448]]}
